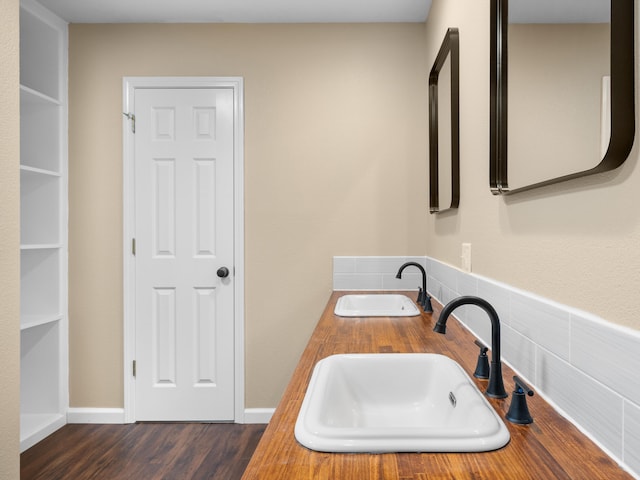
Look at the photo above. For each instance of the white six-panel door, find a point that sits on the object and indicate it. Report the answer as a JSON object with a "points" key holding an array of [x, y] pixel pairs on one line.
{"points": [[184, 226]]}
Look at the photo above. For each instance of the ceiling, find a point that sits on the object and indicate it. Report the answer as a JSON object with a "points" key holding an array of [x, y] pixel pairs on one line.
{"points": [[239, 11]]}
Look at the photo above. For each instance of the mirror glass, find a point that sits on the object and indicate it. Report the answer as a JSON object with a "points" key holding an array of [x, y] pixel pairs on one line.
{"points": [[444, 127], [554, 64]]}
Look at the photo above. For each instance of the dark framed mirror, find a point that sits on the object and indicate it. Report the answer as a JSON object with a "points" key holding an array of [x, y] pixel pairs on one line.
{"points": [[562, 90], [444, 126]]}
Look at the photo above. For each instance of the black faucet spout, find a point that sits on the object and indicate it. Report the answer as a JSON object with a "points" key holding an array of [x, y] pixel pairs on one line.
{"points": [[495, 388], [423, 297]]}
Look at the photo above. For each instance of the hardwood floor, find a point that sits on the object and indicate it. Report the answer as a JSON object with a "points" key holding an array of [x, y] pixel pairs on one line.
{"points": [[143, 451]]}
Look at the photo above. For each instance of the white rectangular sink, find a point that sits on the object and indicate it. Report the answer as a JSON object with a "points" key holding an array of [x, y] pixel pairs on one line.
{"points": [[396, 402], [376, 305]]}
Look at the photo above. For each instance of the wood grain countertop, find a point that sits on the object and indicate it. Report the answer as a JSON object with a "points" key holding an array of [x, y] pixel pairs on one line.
{"points": [[549, 448]]}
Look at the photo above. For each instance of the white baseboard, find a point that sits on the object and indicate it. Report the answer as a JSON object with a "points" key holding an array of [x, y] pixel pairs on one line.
{"points": [[95, 415], [116, 415], [258, 415]]}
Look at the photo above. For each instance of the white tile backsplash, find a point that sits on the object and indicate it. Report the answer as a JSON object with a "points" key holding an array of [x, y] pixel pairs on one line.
{"points": [[344, 265], [518, 350], [586, 366], [444, 274], [589, 403], [411, 280], [355, 281], [476, 320], [610, 355], [388, 265], [497, 296], [376, 273], [467, 284], [546, 325]]}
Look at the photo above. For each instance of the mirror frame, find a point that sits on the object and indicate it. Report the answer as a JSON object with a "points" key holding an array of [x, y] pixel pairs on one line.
{"points": [[622, 46], [450, 47]]}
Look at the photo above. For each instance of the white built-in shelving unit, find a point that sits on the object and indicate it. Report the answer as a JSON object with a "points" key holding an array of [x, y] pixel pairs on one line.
{"points": [[44, 385]]}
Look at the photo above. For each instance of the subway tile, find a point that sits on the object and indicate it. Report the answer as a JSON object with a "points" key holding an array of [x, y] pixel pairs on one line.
{"points": [[353, 281], [421, 260], [409, 281], [589, 403], [380, 264], [632, 436], [466, 284], [436, 289], [429, 264], [375, 273], [462, 312], [541, 322], [476, 320], [447, 295], [344, 265], [520, 353], [607, 353], [497, 295], [445, 274]]}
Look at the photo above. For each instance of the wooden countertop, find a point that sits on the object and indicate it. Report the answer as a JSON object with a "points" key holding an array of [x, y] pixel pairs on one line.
{"points": [[549, 448]]}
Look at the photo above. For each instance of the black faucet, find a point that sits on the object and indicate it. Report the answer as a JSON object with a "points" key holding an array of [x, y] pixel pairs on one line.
{"points": [[423, 297], [495, 388], [518, 411]]}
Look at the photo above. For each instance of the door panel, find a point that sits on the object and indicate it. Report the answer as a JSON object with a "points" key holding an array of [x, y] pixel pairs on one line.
{"points": [[184, 233]]}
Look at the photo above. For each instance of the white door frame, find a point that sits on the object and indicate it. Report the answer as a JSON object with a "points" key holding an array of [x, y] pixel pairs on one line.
{"points": [[129, 85]]}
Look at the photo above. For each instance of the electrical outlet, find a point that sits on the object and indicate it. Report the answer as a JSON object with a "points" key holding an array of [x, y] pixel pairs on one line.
{"points": [[466, 257]]}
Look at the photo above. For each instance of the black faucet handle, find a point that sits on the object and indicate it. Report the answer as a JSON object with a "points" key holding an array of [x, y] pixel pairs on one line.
{"points": [[420, 298], [518, 410], [426, 303], [482, 367], [522, 387], [483, 347]]}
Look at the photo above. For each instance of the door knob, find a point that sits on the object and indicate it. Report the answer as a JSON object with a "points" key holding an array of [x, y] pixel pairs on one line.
{"points": [[223, 272]]}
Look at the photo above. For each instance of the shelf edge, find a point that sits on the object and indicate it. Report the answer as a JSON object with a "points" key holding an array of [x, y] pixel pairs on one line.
{"points": [[39, 95], [40, 171], [40, 246], [32, 321]]}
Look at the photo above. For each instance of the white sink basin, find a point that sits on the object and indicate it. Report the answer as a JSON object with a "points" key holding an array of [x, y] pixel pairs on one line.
{"points": [[396, 402], [376, 305]]}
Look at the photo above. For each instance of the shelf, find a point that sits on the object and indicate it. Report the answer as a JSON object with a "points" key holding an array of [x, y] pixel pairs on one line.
{"points": [[40, 128], [44, 371], [40, 246], [31, 321], [39, 207], [40, 369], [40, 54], [40, 282]]}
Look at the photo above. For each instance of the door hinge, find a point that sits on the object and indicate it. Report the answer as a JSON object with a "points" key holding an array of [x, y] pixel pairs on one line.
{"points": [[133, 246], [131, 117], [134, 368]]}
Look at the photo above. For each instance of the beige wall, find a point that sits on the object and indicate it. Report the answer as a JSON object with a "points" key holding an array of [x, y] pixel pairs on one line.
{"points": [[9, 240], [335, 164], [576, 243]]}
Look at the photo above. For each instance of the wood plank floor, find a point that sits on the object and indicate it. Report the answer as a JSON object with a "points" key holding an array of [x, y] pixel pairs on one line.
{"points": [[143, 451]]}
